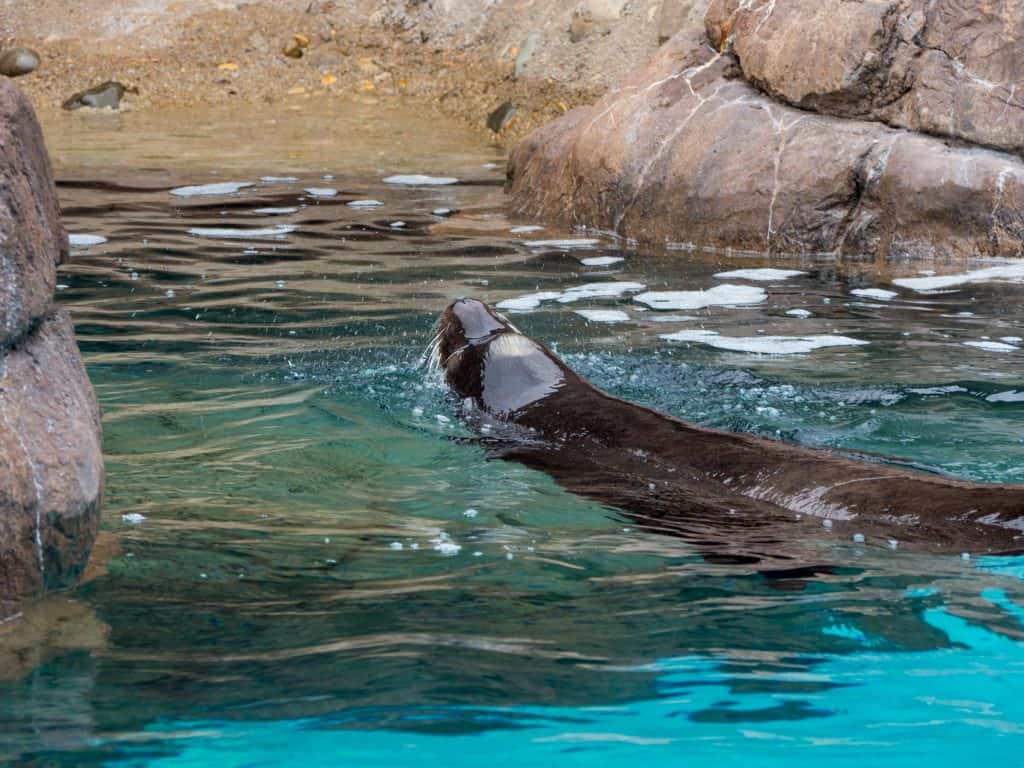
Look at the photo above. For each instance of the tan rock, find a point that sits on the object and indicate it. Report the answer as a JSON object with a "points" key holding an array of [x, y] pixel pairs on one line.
{"points": [[685, 152], [51, 463], [941, 67], [32, 239]]}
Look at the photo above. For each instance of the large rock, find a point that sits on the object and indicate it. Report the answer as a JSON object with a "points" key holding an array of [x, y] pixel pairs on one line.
{"points": [[687, 151], [32, 240], [51, 455], [51, 463], [943, 67]]}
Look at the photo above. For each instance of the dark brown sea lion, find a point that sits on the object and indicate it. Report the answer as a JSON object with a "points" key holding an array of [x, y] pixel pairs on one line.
{"points": [[737, 496]]}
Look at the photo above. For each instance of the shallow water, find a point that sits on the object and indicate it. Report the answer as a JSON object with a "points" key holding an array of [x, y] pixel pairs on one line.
{"points": [[302, 580]]}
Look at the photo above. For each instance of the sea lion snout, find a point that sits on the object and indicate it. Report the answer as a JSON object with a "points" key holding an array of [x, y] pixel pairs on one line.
{"points": [[478, 320]]}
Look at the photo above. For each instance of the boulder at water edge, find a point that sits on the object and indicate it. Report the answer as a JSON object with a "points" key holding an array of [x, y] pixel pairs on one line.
{"points": [[51, 462], [733, 137]]}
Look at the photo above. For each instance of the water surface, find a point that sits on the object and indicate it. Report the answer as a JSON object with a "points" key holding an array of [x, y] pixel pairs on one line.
{"points": [[319, 566]]}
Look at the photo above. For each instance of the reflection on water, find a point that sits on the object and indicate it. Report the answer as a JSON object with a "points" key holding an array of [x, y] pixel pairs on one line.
{"points": [[298, 574]]}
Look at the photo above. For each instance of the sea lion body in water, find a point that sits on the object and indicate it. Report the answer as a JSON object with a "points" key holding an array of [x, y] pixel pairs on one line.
{"points": [[737, 495]]}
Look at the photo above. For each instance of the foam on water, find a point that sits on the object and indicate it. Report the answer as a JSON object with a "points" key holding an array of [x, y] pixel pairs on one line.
{"points": [[323, 192], [720, 296], [275, 211], [603, 315], [419, 180], [279, 179], [568, 244], [242, 234], [764, 345], [599, 291], [217, 188], [526, 229], [801, 313], [85, 241], [364, 203], [764, 274], [529, 301], [992, 346], [879, 294], [1006, 272], [602, 261], [1012, 396]]}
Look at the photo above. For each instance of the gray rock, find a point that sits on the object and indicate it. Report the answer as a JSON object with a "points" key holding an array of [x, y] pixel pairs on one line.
{"points": [[499, 118], [106, 95], [15, 62], [526, 52]]}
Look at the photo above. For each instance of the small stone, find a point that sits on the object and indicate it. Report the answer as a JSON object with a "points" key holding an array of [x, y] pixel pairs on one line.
{"points": [[501, 116], [526, 51], [106, 95], [228, 66], [16, 62], [296, 47], [826, 523]]}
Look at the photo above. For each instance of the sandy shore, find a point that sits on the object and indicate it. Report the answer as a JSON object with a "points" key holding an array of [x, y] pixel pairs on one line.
{"points": [[463, 62]]}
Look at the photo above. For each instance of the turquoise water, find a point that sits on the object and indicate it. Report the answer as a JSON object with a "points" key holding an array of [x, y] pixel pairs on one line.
{"points": [[305, 586]]}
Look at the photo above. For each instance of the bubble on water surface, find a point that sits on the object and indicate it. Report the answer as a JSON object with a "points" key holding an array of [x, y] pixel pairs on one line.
{"points": [[420, 180], [218, 188]]}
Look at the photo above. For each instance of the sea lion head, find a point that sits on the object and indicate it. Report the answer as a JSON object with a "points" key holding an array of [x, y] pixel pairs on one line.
{"points": [[487, 360]]}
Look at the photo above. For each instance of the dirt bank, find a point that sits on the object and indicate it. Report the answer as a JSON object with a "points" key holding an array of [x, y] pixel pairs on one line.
{"points": [[462, 57]]}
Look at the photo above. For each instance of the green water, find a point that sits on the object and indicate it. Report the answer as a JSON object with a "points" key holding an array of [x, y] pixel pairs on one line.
{"points": [[305, 586]]}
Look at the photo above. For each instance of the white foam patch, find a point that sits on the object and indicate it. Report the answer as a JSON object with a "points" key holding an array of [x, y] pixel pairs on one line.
{"points": [[419, 180], [879, 294], [672, 318], [569, 244], [727, 295], [801, 313], [220, 188], [278, 179], [241, 234], [765, 345], [1007, 272], [322, 192], [601, 261], [1013, 396], [1012, 339], [528, 302], [599, 291], [991, 346], [364, 203], [949, 389], [85, 241], [275, 211], [603, 315], [526, 229], [765, 274]]}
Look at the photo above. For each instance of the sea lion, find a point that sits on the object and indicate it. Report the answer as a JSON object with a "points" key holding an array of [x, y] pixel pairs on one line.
{"points": [[738, 496]]}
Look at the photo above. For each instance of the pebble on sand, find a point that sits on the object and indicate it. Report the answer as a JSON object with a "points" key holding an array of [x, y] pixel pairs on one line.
{"points": [[16, 62]]}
